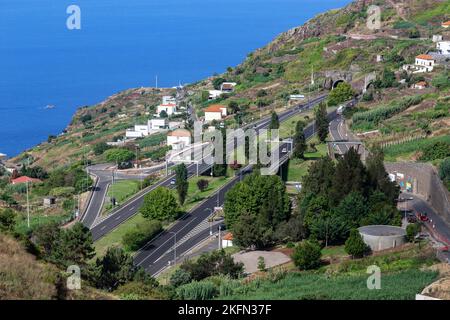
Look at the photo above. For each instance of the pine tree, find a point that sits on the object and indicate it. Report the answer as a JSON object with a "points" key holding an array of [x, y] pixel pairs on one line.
{"points": [[274, 121], [182, 185], [355, 245], [322, 122], [299, 141]]}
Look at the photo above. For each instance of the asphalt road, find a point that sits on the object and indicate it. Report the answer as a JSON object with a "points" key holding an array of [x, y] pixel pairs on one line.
{"points": [[102, 227], [159, 253]]}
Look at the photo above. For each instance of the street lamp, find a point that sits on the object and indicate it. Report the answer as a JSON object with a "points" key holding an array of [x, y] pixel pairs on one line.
{"points": [[174, 248], [210, 220]]}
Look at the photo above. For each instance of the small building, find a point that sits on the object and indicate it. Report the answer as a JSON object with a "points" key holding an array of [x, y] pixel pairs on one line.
{"points": [[437, 38], [169, 108], [25, 179], [158, 123], [227, 87], [179, 139], [169, 100], [420, 85], [425, 61], [445, 24], [380, 58], [2, 156], [49, 202], [443, 47], [227, 240], [214, 94], [215, 112]]}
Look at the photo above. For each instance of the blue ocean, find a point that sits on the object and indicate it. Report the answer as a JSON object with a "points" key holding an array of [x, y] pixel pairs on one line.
{"points": [[121, 44]]}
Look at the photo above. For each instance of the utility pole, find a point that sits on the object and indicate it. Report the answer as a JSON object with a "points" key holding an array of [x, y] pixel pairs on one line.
{"points": [[220, 241]]}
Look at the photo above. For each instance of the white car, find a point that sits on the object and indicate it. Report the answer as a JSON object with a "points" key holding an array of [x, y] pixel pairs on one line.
{"points": [[284, 150]]}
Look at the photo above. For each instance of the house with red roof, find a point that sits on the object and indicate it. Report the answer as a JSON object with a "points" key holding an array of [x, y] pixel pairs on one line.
{"points": [[227, 240], [445, 24], [25, 179], [215, 112]]}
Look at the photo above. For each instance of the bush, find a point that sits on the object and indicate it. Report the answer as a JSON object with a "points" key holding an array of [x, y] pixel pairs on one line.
{"points": [[7, 220], [412, 230], [204, 290], [341, 93], [160, 204], [307, 255], [118, 155], [437, 150], [444, 171], [143, 233], [62, 191], [202, 184], [180, 277], [355, 245], [101, 147]]}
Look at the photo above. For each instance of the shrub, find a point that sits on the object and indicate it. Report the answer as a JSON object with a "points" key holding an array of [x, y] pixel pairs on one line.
{"points": [[202, 184], [180, 277], [143, 233], [62, 191], [160, 204], [307, 255], [355, 245], [7, 219], [437, 150], [412, 230]]}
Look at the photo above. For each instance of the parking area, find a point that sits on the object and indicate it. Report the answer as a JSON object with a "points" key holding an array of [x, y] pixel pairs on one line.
{"points": [[250, 259]]}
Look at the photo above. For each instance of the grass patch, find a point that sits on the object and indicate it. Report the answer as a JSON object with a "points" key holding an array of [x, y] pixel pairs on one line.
{"points": [[123, 189], [298, 168]]}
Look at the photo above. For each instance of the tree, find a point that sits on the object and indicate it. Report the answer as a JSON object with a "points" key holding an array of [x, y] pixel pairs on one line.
{"points": [[115, 268], [100, 148], [160, 204], [163, 114], [299, 141], [444, 172], [352, 209], [274, 121], [181, 183], [350, 175], [143, 232], [118, 155], [257, 195], [252, 232], [343, 92], [75, 246], [321, 121], [213, 264], [307, 255], [233, 106], [202, 184], [355, 245], [412, 230], [261, 264], [319, 179], [220, 169], [217, 83], [377, 176], [180, 277], [7, 220]]}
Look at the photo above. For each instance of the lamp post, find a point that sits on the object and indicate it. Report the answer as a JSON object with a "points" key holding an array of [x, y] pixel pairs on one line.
{"points": [[210, 220], [28, 208]]}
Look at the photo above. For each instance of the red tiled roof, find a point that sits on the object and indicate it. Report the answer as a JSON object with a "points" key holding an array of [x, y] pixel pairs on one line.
{"points": [[25, 179], [228, 236], [421, 83], [215, 108], [424, 57], [446, 23]]}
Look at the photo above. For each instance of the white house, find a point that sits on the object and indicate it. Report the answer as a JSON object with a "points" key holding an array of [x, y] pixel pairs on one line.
{"points": [[139, 131], [214, 94], [437, 38], [158, 123], [169, 100], [179, 139], [443, 47], [227, 240], [169, 108], [215, 112], [227, 86], [425, 61]]}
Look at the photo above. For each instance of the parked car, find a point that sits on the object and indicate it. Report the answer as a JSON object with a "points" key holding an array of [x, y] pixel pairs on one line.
{"points": [[172, 182], [423, 216]]}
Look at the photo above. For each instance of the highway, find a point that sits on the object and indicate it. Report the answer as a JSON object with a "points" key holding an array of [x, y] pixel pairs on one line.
{"points": [[103, 226], [159, 253]]}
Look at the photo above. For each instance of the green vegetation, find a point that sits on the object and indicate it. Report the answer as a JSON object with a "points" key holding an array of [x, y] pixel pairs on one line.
{"points": [[143, 233], [355, 245], [367, 120], [117, 155], [343, 92], [444, 172], [307, 255], [395, 152], [322, 122], [123, 189], [160, 204], [181, 182]]}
